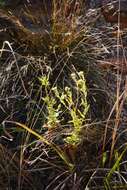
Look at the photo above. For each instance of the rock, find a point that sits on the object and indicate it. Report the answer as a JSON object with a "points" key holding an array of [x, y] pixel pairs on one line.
{"points": [[115, 12]]}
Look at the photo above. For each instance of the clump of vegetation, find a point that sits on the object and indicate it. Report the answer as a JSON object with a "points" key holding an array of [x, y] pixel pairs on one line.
{"points": [[77, 115]]}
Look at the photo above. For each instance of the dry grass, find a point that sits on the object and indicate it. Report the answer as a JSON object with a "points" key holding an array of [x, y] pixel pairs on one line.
{"points": [[76, 45]]}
